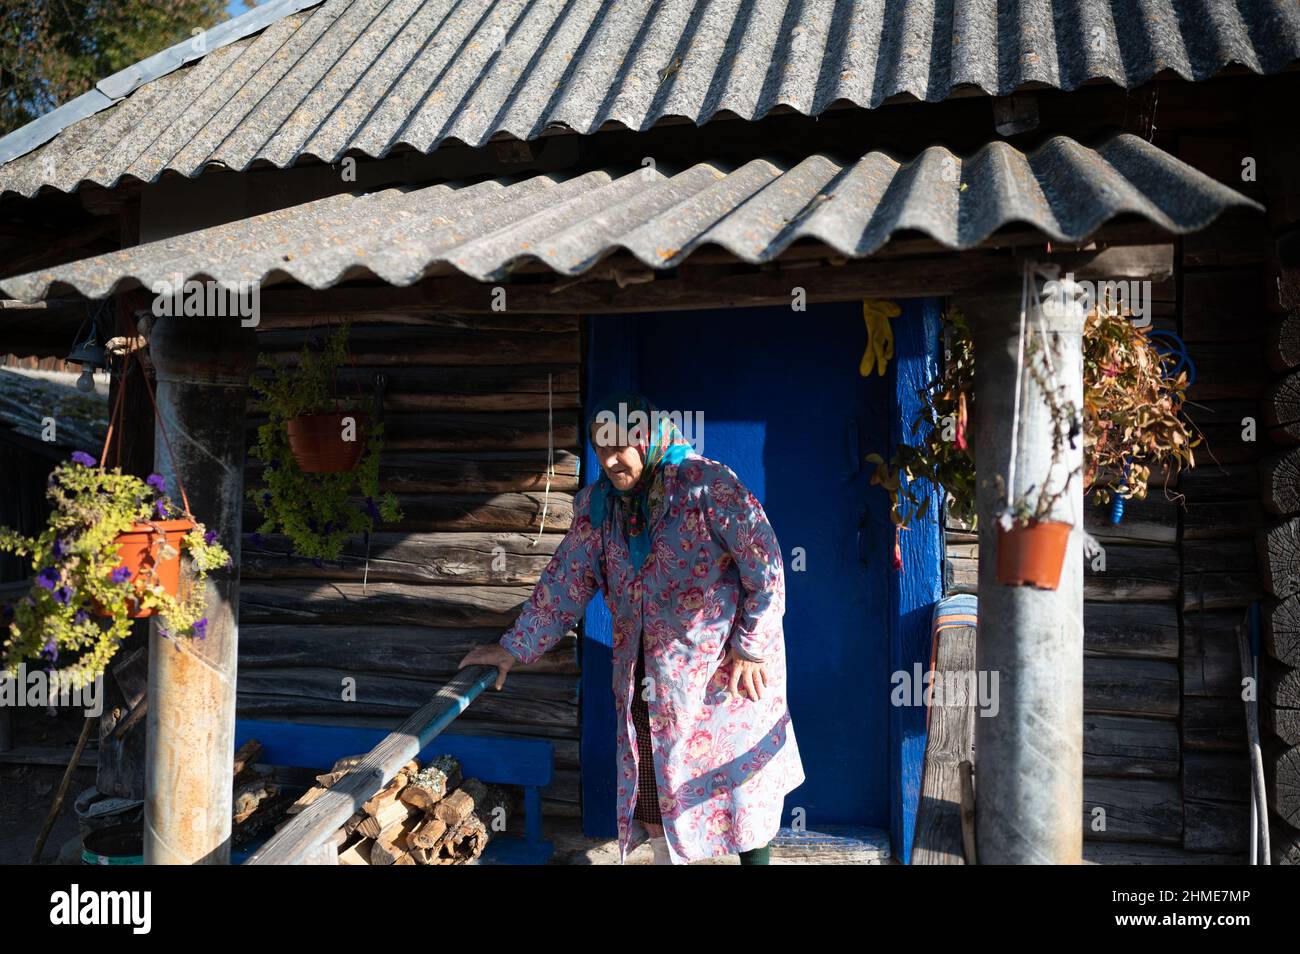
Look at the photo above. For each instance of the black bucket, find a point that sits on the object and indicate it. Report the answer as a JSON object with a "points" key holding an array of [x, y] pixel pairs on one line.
{"points": [[115, 845]]}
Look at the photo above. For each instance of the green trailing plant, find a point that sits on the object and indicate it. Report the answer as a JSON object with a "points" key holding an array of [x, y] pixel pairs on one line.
{"points": [[79, 608], [317, 512], [1132, 422]]}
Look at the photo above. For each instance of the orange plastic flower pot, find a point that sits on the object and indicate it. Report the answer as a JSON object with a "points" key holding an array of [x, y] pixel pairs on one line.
{"points": [[1032, 554], [140, 551], [317, 444]]}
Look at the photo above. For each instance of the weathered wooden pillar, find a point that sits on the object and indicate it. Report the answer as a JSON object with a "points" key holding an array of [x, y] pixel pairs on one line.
{"points": [[1029, 755], [203, 366]]}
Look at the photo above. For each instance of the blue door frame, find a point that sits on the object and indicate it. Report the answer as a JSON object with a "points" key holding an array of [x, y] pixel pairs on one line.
{"points": [[613, 364]]}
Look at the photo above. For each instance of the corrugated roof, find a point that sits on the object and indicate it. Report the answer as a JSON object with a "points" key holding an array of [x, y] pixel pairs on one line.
{"points": [[367, 76], [755, 211]]}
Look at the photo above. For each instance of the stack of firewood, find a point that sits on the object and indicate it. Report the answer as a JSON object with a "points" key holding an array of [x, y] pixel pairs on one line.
{"points": [[424, 816]]}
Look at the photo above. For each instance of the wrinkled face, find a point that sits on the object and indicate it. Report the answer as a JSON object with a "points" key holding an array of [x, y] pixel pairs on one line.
{"points": [[621, 463]]}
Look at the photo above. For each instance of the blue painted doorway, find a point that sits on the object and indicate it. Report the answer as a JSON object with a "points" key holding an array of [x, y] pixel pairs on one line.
{"points": [[783, 404]]}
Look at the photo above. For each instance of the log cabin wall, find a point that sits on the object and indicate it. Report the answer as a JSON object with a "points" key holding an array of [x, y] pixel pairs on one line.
{"points": [[466, 411]]}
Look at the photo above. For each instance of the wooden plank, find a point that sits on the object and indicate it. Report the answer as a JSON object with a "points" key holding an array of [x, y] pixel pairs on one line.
{"points": [[1153, 520], [1217, 777], [1147, 687], [950, 740], [1219, 575], [1138, 853], [1127, 746], [405, 650], [466, 512], [1140, 630], [1214, 724], [478, 558], [468, 432], [1146, 810], [382, 347], [1223, 305], [303, 601], [1211, 665]]}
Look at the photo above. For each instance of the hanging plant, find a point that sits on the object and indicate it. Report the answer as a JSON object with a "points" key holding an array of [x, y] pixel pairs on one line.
{"points": [[110, 552], [321, 454], [1133, 423]]}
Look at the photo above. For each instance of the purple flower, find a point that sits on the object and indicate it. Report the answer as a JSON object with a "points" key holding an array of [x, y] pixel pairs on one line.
{"points": [[62, 596], [157, 482], [120, 575], [82, 458], [201, 628], [48, 578], [210, 537], [51, 650], [81, 617], [160, 505], [60, 548]]}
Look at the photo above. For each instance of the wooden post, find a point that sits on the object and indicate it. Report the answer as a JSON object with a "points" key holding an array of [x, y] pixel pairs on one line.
{"points": [[203, 366], [1029, 755]]}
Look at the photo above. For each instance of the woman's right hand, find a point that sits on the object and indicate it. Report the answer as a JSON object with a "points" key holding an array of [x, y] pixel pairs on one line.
{"points": [[491, 654]]}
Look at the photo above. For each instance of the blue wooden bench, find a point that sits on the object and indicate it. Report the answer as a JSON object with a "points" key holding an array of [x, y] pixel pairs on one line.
{"points": [[505, 761]]}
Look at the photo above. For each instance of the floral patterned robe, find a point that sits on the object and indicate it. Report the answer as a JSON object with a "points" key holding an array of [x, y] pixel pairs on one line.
{"points": [[713, 579]]}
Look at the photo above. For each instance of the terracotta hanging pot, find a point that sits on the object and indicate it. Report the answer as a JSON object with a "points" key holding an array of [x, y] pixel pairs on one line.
{"points": [[1031, 554], [317, 443], [140, 551]]}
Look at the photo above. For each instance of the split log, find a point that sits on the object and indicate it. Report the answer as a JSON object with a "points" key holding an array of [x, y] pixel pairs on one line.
{"points": [[347, 762], [432, 783], [464, 843], [358, 853], [427, 835], [250, 794], [388, 794], [1279, 483], [249, 753], [393, 842], [395, 811], [1279, 558]]}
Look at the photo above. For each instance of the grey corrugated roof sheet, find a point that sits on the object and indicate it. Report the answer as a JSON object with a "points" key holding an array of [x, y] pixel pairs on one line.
{"points": [[755, 211], [367, 76]]}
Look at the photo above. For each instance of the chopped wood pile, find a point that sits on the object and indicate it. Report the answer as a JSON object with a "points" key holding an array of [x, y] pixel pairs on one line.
{"points": [[260, 798], [427, 815]]}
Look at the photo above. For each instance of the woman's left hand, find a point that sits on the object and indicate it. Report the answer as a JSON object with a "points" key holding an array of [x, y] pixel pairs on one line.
{"points": [[749, 676]]}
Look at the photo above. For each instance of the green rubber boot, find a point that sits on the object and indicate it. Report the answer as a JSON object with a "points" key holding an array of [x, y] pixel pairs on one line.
{"points": [[755, 856]]}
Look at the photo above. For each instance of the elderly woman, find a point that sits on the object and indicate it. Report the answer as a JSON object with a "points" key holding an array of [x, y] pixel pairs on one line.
{"points": [[692, 573]]}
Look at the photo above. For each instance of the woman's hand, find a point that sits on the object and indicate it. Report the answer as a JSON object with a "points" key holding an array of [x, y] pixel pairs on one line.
{"points": [[490, 654], [749, 676]]}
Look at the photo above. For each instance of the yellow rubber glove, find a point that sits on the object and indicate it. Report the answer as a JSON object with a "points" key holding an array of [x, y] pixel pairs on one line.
{"points": [[880, 335]]}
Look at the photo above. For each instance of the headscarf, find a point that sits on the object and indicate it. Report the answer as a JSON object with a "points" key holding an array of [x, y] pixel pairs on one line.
{"points": [[659, 442]]}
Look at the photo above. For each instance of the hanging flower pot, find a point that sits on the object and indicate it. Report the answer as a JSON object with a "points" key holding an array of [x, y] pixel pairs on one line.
{"points": [[1031, 554], [318, 444], [150, 553]]}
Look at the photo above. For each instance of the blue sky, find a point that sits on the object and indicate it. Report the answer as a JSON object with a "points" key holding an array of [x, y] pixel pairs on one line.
{"points": [[235, 7]]}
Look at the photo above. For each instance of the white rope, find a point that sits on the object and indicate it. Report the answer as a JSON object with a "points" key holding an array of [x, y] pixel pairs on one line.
{"points": [[1015, 406], [550, 458]]}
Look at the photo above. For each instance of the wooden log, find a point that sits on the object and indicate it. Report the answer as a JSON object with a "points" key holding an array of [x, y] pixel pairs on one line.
{"points": [[1146, 687], [426, 836], [449, 431], [456, 807], [1283, 774], [250, 752], [347, 762], [1133, 574], [1217, 777], [1137, 853], [1222, 305], [1282, 722], [394, 347], [1139, 630], [475, 512], [388, 795], [1152, 520], [1128, 746], [1211, 664], [1208, 481], [432, 783], [423, 651], [373, 826], [1279, 558], [1216, 826], [393, 842], [1282, 352], [1281, 405], [249, 795], [1128, 809], [517, 710], [475, 558], [421, 472], [1279, 483], [1215, 723], [1227, 371], [455, 606]]}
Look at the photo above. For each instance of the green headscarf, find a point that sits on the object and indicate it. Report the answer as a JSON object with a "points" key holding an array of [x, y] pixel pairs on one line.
{"points": [[660, 443]]}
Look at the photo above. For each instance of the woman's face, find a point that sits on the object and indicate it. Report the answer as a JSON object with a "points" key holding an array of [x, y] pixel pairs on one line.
{"points": [[621, 463]]}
